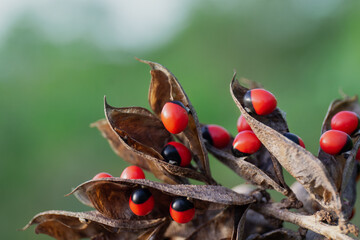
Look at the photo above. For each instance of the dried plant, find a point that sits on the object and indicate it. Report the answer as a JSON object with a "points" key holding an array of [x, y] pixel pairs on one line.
{"points": [[320, 203]]}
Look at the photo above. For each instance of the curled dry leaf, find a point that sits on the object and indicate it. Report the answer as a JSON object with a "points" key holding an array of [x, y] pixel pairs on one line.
{"points": [[246, 170], [225, 225], [184, 230], [138, 137], [157, 233], [111, 196], [348, 194], [127, 153], [282, 233], [310, 235], [76, 225], [301, 164], [164, 87], [339, 167], [257, 224]]}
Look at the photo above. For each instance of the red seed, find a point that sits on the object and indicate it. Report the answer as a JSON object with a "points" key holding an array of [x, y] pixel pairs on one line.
{"points": [[260, 101], [242, 124], [174, 117], [245, 143], [176, 153], [335, 142], [133, 172], [216, 135], [345, 121], [102, 175], [141, 202], [182, 210]]}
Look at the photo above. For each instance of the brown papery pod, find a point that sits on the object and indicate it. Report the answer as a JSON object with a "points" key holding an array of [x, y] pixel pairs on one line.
{"points": [[157, 233], [301, 164], [284, 234], [246, 170], [340, 167], [164, 87], [262, 158], [225, 225], [75, 225], [111, 196], [140, 139], [184, 230]]}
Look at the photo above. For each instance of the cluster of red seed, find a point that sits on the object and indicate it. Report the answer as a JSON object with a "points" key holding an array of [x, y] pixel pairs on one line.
{"points": [[337, 140], [258, 101], [141, 201], [174, 116]]}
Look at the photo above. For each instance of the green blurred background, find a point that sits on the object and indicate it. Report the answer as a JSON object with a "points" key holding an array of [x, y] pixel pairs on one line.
{"points": [[54, 74]]}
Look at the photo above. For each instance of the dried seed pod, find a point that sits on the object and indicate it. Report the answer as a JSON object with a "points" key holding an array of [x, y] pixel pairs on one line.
{"points": [[247, 170], [164, 87], [282, 233], [76, 225], [228, 224], [261, 168], [340, 167], [139, 138], [111, 197], [300, 163]]}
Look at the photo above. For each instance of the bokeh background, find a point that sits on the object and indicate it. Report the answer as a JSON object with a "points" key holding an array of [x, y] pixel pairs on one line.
{"points": [[59, 58]]}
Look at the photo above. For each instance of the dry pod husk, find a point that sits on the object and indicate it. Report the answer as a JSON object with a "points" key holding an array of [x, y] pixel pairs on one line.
{"points": [[76, 225], [111, 196], [141, 137], [164, 87], [301, 164]]}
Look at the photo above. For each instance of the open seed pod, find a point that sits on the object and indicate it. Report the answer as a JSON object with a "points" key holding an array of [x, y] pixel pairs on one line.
{"points": [[164, 87], [300, 163], [139, 139], [340, 166], [260, 168], [110, 196], [343, 168], [75, 225]]}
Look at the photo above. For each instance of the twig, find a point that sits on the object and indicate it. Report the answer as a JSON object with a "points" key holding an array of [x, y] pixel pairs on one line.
{"points": [[310, 222]]}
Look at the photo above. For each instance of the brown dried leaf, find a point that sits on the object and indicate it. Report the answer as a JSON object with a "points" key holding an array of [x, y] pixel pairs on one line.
{"points": [[246, 170], [301, 164], [111, 196], [256, 224], [224, 225], [339, 167], [183, 230], [277, 234], [76, 225], [164, 87], [138, 137], [157, 233], [126, 152], [348, 194]]}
